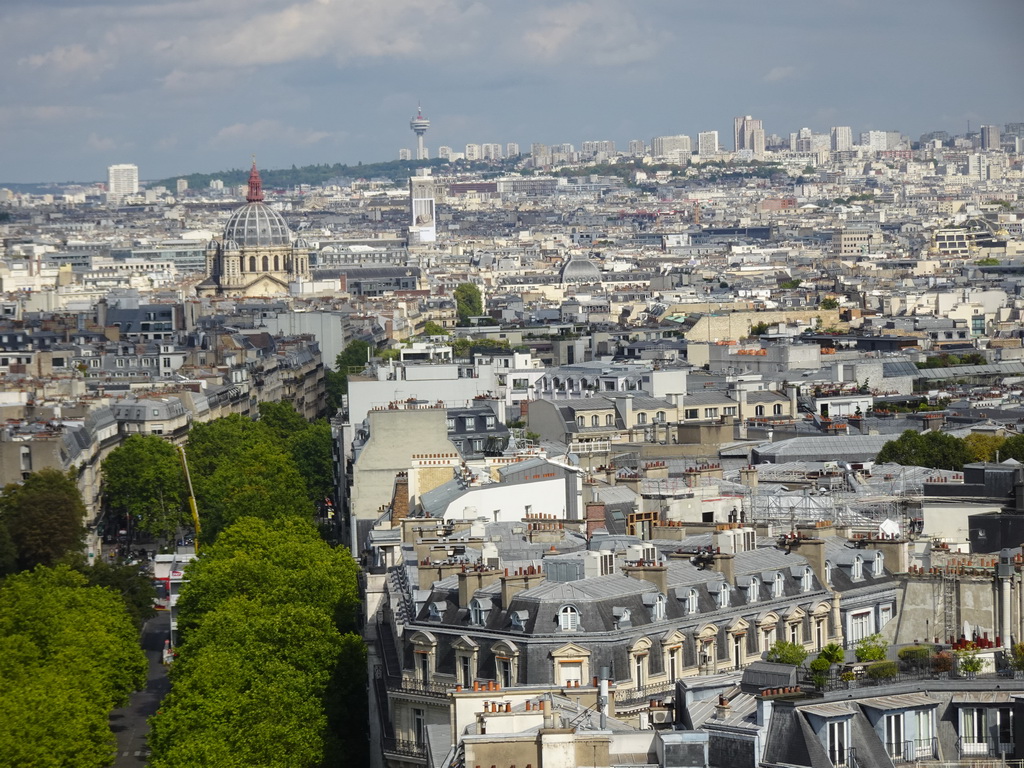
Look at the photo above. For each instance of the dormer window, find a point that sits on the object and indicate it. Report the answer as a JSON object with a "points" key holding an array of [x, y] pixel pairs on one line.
{"points": [[878, 566], [690, 603], [517, 620], [752, 590], [477, 614], [568, 618], [435, 610], [828, 572], [778, 586], [857, 571], [807, 580], [451, 425], [723, 596], [658, 609]]}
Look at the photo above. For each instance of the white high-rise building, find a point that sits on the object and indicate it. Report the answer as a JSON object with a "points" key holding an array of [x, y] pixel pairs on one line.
{"points": [[637, 148], [842, 138], [473, 152], [511, 149], [444, 153], [748, 133], [663, 146], [122, 181], [707, 143], [405, 154], [874, 141], [422, 228]]}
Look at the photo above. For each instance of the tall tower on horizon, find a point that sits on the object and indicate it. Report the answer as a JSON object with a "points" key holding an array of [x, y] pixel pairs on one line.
{"points": [[419, 125]]}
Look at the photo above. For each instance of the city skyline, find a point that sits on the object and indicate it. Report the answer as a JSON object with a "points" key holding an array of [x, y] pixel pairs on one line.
{"points": [[177, 87]]}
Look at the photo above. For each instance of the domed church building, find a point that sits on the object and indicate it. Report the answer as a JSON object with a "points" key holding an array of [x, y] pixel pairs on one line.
{"points": [[256, 256]]}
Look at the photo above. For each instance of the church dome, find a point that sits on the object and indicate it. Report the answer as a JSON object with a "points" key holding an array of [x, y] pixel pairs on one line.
{"points": [[580, 271], [256, 224]]}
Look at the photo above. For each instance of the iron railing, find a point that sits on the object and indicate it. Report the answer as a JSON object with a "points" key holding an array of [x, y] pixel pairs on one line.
{"points": [[925, 749], [645, 693], [404, 748], [900, 751]]}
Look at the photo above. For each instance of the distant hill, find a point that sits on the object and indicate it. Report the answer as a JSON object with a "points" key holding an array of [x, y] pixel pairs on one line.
{"points": [[318, 175]]}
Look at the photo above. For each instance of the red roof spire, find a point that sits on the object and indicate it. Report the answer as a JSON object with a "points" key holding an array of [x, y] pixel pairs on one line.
{"points": [[255, 185]]}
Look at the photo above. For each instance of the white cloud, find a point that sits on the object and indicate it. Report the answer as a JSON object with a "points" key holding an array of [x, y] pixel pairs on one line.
{"points": [[34, 115], [778, 74], [268, 131], [68, 60], [100, 143]]}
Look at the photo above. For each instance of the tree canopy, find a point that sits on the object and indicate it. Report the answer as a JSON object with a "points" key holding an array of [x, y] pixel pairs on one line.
{"points": [[268, 672], [68, 655], [926, 449], [143, 478], [43, 518], [468, 302]]}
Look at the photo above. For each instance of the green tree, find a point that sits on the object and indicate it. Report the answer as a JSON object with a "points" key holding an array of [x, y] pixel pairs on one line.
{"points": [[43, 517], [759, 328], [1013, 448], [929, 449], [281, 420], [984, 447], [785, 652], [8, 552], [354, 355], [284, 562], [143, 478], [134, 588], [468, 302], [430, 328], [311, 450], [871, 648], [829, 303]]}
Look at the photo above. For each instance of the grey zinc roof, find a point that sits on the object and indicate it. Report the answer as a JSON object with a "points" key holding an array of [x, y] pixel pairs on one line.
{"points": [[826, 447], [596, 588], [899, 701]]}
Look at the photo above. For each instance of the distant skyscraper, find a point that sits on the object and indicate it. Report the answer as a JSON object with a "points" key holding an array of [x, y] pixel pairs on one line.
{"points": [[663, 146], [404, 154], [637, 148], [490, 151], [444, 153], [511, 149], [990, 137], [707, 143], [122, 180], [181, 186], [421, 193], [748, 133], [419, 125], [842, 138], [473, 152], [874, 141]]}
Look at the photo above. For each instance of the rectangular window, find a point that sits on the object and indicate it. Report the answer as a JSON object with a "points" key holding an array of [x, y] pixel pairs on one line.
{"points": [[838, 741], [505, 672], [710, 413], [1005, 730], [860, 625], [973, 740], [884, 615], [571, 672], [419, 726], [729, 410], [465, 671], [924, 748], [894, 737], [691, 413]]}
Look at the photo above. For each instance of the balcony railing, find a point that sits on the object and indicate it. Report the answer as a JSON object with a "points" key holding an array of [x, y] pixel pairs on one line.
{"points": [[925, 749], [974, 748], [420, 687], [844, 757], [626, 698], [901, 751], [404, 748]]}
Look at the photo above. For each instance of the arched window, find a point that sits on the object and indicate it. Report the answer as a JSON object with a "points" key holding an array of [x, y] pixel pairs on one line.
{"points": [[568, 618], [277, 263], [878, 566], [753, 590], [595, 421], [641, 418], [759, 410], [807, 580], [609, 420], [858, 568], [581, 421], [477, 614], [723, 596], [828, 571], [252, 263], [659, 416], [691, 602], [266, 263], [778, 586], [658, 609], [777, 409]]}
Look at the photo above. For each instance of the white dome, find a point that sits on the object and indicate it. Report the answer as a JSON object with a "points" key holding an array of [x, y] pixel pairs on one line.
{"points": [[256, 224]]}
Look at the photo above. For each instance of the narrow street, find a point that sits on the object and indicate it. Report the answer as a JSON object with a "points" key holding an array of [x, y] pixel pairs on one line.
{"points": [[129, 723]]}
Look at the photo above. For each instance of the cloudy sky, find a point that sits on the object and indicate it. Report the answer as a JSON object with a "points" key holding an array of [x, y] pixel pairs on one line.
{"points": [[179, 86]]}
